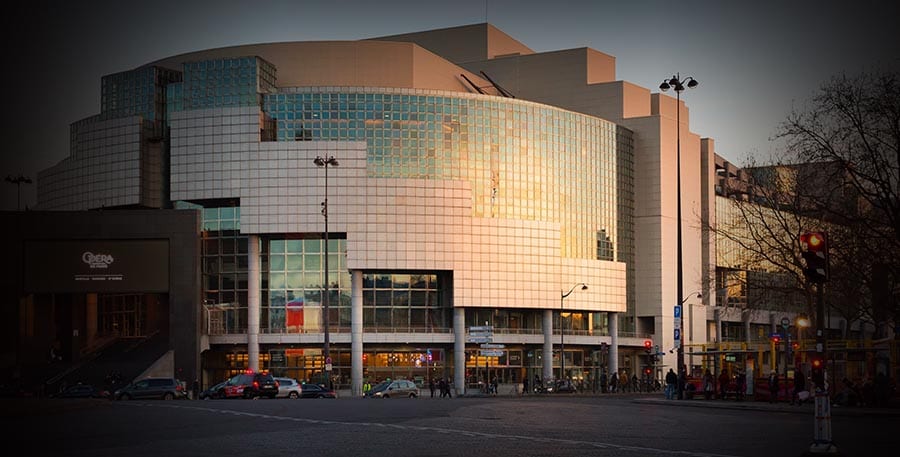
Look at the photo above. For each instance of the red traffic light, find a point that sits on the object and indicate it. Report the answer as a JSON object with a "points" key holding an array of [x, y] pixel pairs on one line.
{"points": [[817, 363], [812, 241], [814, 251], [648, 344], [775, 338]]}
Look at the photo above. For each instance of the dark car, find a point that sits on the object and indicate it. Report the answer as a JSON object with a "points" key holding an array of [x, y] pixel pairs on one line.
{"points": [[316, 391], [82, 391], [251, 385], [152, 388], [215, 391], [562, 387]]}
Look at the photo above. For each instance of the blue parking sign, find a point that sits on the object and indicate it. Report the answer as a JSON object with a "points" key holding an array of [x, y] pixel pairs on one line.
{"points": [[677, 311], [677, 334]]}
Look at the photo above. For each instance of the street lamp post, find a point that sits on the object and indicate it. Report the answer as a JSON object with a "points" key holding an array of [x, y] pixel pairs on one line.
{"points": [[675, 82], [562, 330], [325, 162], [18, 181]]}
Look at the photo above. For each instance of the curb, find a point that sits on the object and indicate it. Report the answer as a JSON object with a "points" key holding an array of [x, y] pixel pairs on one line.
{"points": [[777, 407]]}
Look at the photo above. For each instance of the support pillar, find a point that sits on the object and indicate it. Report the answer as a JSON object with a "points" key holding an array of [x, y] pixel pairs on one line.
{"points": [[459, 351], [547, 370], [253, 302], [613, 319], [356, 333]]}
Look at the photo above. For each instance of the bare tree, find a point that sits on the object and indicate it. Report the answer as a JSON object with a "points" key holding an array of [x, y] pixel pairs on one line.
{"points": [[839, 172], [853, 125]]}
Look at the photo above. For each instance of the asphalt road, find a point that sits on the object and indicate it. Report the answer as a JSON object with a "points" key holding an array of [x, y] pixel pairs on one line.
{"points": [[468, 427]]}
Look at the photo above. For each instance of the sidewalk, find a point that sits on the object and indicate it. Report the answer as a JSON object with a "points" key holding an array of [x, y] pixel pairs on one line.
{"points": [[893, 410]]}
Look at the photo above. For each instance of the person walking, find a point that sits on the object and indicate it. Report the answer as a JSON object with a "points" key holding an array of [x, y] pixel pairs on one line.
{"points": [[724, 379], [524, 385], [448, 386], [773, 387], [613, 383], [431, 386], [708, 385], [671, 382], [741, 381]]}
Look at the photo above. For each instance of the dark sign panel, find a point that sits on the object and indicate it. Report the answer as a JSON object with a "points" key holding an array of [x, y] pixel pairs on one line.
{"points": [[97, 266]]}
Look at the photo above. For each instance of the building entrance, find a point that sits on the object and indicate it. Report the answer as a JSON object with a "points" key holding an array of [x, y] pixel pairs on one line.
{"points": [[122, 315]]}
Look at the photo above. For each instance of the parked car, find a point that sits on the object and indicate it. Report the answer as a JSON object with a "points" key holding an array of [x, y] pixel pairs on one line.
{"points": [[399, 388], [82, 391], [213, 392], [316, 391], [288, 388], [152, 388], [250, 384], [562, 387]]}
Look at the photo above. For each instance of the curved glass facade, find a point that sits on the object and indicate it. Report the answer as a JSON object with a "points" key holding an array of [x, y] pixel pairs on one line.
{"points": [[523, 160]]}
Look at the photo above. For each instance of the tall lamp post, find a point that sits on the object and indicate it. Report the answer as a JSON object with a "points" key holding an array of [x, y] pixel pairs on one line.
{"points": [[678, 84], [18, 181], [325, 162], [562, 330]]}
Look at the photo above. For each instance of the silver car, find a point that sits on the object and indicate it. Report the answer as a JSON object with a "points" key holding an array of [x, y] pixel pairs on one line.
{"points": [[288, 388], [399, 388]]}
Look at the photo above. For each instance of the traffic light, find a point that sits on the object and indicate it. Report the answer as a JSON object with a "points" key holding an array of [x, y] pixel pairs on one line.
{"points": [[775, 338], [648, 345], [814, 250], [818, 370]]}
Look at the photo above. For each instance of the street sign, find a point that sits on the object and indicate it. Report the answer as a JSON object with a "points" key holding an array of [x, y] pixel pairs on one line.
{"points": [[491, 353], [481, 328], [677, 311], [479, 339], [677, 334], [492, 346], [785, 322]]}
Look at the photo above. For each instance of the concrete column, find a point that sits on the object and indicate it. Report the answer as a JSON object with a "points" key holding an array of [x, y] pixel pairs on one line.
{"points": [[459, 351], [548, 345], [253, 303], [356, 333], [613, 319]]}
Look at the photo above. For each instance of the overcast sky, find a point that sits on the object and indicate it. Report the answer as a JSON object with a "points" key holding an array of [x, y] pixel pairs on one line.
{"points": [[754, 60]]}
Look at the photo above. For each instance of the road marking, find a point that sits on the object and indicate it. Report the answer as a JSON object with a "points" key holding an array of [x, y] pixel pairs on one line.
{"points": [[467, 433]]}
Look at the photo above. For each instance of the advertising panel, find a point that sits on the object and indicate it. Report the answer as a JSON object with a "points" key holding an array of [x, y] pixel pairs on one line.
{"points": [[119, 266]]}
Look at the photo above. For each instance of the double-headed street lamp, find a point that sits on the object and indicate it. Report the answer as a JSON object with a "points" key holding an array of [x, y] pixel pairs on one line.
{"points": [[678, 84], [325, 162], [562, 330], [18, 181]]}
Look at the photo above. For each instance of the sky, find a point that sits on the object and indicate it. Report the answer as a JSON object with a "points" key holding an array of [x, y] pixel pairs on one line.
{"points": [[755, 61]]}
